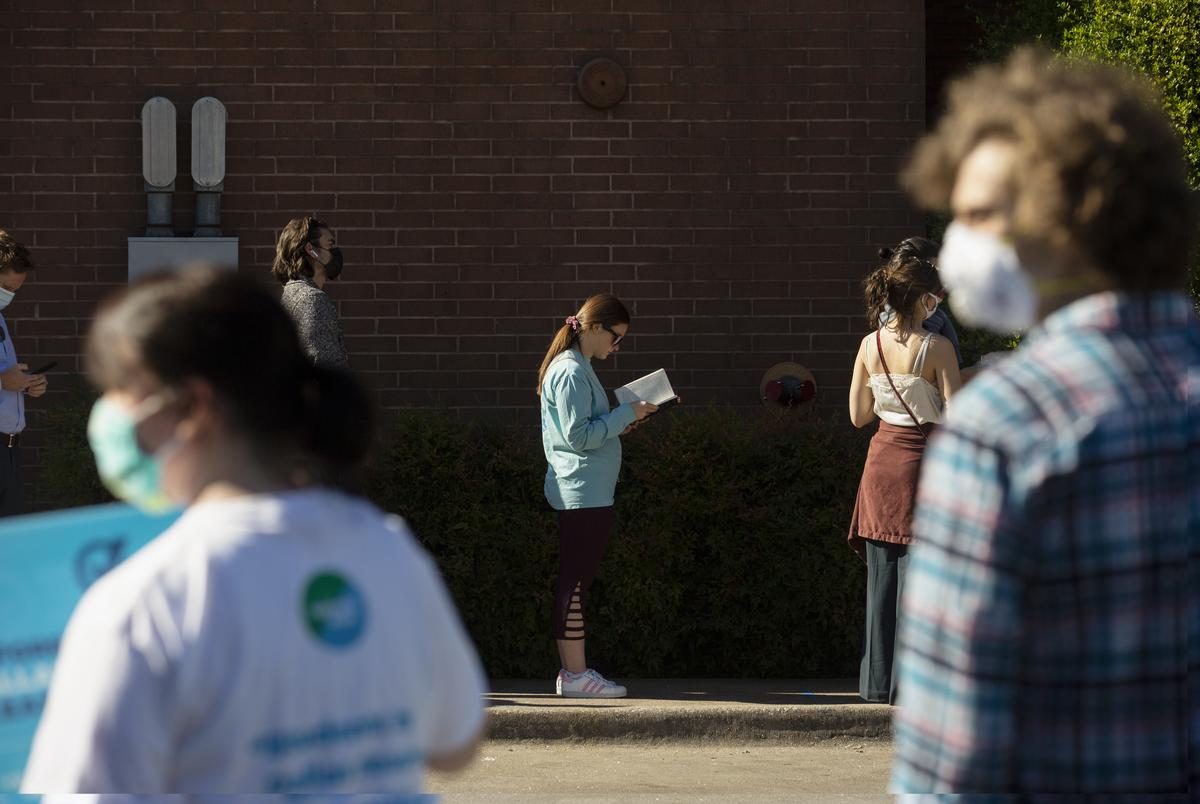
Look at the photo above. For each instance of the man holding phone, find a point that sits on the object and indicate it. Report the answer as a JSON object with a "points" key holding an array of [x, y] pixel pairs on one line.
{"points": [[15, 382]]}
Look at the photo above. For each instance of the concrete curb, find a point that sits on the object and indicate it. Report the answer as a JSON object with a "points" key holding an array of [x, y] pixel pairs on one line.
{"points": [[690, 710], [777, 724]]}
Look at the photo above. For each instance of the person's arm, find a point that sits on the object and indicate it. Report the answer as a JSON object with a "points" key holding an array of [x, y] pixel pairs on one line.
{"points": [[970, 372], [862, 399], [945, 364], [456, 697], [989, 359], [319, 329], [15, 379], [104, 728], [39, 386], [572, 396], [457, 759], [959, 647]]}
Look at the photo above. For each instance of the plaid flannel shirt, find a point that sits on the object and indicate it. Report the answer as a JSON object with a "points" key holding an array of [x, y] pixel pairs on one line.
{"points": [[1050, 634]]}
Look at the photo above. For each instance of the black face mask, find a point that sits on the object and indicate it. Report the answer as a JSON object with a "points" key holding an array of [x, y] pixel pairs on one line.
{"points": [[334, 268]]}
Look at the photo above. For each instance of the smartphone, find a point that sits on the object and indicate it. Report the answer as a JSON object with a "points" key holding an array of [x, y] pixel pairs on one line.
{"points": [[43, 369]]}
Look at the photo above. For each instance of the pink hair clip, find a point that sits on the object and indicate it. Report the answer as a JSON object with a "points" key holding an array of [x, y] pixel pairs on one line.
{"points": [[572, 322]]}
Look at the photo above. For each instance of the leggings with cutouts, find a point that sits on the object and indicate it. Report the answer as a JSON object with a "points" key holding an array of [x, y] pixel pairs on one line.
{"points": [[582, 537]]}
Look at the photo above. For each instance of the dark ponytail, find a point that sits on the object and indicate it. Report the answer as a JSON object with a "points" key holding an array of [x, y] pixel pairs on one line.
{"points": [[602, 309], [227, 330], [563, 340], [875, 292]]}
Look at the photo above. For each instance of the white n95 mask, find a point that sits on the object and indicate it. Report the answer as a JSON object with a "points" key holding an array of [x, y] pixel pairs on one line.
{"points": [[988, 287]]}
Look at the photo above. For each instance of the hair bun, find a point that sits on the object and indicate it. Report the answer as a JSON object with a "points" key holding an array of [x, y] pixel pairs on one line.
{"points": [[885, 254]]}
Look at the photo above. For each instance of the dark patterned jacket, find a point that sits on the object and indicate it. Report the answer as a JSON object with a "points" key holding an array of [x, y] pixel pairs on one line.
{"points": [[317, 321]]}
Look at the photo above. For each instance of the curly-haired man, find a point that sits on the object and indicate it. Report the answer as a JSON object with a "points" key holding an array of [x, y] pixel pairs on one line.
{"points": [[1050, 637]]}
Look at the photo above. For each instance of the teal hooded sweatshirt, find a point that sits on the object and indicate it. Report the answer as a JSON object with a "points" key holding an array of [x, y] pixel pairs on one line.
{"points": [[580, 435]]}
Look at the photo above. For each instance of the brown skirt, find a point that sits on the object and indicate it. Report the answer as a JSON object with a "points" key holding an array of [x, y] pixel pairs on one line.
{"points": [[887, 494]]}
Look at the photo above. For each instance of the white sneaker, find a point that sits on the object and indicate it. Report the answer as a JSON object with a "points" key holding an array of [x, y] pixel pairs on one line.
{"points": [[588, 684]]}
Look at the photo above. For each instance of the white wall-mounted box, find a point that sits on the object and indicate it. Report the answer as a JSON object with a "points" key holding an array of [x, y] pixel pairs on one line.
{"points": [[149, 255]]}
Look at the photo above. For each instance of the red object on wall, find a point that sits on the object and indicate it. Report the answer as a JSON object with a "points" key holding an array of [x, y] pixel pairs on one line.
{"points": [[790, 390]]}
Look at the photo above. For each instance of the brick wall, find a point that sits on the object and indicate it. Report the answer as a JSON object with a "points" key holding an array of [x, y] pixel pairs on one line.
{"points": [[734, 199]]}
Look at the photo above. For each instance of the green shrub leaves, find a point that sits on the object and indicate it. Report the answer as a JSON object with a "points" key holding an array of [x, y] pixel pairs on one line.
{"points": [[729, 557]]}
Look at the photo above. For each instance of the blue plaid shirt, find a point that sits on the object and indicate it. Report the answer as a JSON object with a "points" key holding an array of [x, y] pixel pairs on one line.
{"points": [[1050, 638]]}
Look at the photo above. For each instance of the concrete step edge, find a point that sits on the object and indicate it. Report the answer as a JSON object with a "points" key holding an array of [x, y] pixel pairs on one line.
{"points": [[773, 724]]}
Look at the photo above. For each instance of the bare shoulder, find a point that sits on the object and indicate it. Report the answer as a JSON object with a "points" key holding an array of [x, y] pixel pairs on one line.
{"points": [[863, 351], [941, 351]]}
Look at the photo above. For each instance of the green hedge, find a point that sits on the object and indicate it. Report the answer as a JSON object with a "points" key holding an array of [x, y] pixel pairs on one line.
{"points": [[1158, 38], [729, 557], [67, 475]]}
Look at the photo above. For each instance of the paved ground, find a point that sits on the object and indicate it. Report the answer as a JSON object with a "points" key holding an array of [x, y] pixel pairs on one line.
{"points": [[777, 711], [838, 770], [681, 740]]}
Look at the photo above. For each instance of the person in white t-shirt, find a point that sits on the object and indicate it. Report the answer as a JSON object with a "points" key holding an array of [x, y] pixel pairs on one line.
{"points": [[282, 636]]}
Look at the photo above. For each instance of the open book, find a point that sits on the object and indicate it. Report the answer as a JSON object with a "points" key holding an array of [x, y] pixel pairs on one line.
{"points": [[654, 388]]}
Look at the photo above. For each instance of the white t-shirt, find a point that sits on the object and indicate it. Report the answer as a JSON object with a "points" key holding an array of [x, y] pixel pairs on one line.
{"points": [[294, 642]]}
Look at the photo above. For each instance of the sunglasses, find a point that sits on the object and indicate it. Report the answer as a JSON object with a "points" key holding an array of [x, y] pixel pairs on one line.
{"points": [[616, 338]]}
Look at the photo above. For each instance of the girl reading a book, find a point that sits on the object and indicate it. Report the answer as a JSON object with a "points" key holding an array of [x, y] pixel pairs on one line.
{"points": [[903, 375], [581, 438]]}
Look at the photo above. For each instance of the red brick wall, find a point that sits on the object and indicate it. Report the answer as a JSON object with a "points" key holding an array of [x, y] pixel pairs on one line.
{"points": [[734, 199]]}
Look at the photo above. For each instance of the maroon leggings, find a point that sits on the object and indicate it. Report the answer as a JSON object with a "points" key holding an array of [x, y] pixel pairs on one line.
{"points": [[582, 536]]}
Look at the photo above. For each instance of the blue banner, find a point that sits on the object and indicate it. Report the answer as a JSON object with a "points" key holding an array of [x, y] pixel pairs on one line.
{"points": [[46, 563]]}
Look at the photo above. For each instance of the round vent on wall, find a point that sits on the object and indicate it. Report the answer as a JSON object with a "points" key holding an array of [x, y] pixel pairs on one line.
{"points": [[602, 83]]}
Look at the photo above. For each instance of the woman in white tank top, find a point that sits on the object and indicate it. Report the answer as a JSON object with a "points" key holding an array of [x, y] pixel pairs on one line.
{"points": [[903, 376]]}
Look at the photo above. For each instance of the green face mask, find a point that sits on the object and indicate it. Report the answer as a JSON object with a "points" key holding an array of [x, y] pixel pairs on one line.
{"points": [[128, 472]]}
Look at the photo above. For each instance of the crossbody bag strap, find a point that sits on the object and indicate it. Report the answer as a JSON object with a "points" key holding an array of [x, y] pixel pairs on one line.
{"points": [[888, 374]]}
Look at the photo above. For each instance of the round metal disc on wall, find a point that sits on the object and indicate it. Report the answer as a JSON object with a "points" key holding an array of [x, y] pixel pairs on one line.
{"points": [[779, 371], [602, 83]]}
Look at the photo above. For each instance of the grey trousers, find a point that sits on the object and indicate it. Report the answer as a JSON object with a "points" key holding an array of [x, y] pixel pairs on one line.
{"points": [[10, 481], [886, 565]]}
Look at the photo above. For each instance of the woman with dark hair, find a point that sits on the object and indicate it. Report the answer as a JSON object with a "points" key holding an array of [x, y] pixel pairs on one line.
{"points": [[939, 323], [903, 376], [306, 257], [581, 438], [278, 637]]}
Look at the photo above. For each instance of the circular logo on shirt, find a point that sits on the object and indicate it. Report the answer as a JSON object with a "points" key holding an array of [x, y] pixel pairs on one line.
{"points": [[333, 609]]}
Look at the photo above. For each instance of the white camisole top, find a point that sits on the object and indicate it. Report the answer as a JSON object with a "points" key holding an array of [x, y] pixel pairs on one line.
{"points": [[922, 396]]}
